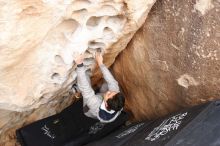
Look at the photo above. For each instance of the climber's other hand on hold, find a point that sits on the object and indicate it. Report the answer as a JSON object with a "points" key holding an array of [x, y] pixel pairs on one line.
{"points": [[99, 58], [79, 59]]}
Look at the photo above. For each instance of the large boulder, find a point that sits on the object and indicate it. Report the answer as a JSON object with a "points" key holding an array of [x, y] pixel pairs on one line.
{"points": [[39, 40], [173, 61]]}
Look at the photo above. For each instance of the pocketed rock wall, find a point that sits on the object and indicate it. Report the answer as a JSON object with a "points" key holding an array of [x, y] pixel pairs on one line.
{"points": [[173, 61], [39, 40]]}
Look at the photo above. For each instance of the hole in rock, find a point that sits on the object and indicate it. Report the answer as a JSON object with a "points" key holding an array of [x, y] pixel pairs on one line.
{"points": [[68, 25], [108, 34], [93, 21], [90, 51], [81, 4], [95, 45], [59, 59], [55, 76], [116, 22], [107, 30], [80, 13], [108, 10]]}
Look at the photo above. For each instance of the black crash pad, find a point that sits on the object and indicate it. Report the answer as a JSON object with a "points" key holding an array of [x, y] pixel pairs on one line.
{"points": [[197, 126], [121, 136], [68, 128]]}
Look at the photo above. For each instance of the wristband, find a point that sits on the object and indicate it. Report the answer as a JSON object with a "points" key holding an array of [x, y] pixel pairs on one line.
{"points": [[80, 65]]}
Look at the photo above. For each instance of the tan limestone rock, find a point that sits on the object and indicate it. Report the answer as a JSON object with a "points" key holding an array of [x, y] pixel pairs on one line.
{"points": [[39, 40]]}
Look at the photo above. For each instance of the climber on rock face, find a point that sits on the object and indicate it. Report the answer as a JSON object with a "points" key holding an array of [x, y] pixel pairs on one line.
{"points": [[105, 106]]}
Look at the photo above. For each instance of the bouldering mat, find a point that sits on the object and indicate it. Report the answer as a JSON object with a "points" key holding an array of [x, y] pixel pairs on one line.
{"points": [[69, 127], [197, 126]]}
